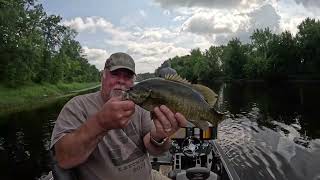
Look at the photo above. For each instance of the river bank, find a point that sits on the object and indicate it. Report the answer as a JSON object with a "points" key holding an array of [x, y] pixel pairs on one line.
{"points": [[35, 95]]}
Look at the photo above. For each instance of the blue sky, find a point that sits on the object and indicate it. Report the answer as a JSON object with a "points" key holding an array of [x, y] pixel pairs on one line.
{"points": [[152, 31]]}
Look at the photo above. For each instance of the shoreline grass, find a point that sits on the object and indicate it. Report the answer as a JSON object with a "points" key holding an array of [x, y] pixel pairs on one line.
{"points": [[36, 95]]}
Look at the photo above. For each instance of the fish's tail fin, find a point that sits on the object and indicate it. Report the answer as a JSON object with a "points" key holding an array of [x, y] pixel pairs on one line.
{"points": [[218, 116], [216, 119]]}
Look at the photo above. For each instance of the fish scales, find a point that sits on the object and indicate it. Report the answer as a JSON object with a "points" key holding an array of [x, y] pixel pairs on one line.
{"points": [[179, 97], [175, 95]]}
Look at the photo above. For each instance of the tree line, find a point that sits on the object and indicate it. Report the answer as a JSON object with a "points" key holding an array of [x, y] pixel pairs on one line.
{"points": [[36, 47], [268, 56]]}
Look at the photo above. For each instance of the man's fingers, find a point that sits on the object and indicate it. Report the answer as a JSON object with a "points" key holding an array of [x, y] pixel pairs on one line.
{"points": [[181, 120], [170, 116], [158, 125], [162, 118], [128, 113], [115, 98], [126, 105]]}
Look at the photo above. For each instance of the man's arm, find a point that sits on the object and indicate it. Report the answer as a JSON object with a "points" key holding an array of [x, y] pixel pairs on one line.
{"points": [[74, 148], [153, 149]]}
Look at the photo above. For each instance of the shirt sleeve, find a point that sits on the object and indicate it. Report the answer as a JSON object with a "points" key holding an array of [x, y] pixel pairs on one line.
{"points": [[70, 118]]}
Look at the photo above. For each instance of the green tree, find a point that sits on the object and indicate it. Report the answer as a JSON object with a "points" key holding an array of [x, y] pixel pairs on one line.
{"points": [[234, 58], [308, 39], [214, 54], [288, 61], [35, 47]]}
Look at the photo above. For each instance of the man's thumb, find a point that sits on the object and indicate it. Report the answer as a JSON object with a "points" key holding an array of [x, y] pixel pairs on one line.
{"points": [[116, 98]]}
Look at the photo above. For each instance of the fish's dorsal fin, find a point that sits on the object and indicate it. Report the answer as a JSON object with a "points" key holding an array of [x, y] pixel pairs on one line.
{"points": [[209, 95], [177, 78]]}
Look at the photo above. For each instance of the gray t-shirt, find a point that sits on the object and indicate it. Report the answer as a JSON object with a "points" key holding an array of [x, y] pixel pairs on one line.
{"points": [[121, 153]]}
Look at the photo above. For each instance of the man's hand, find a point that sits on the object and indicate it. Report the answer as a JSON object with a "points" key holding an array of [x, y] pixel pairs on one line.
{"points": [[115, 114], [166, 122]]}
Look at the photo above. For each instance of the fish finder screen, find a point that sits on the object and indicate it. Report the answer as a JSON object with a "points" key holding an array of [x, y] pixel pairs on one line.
{"points": [[208, 134]]}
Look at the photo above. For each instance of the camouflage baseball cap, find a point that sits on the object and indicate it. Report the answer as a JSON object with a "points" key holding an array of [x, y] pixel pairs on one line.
{"points": [[120, 60]]}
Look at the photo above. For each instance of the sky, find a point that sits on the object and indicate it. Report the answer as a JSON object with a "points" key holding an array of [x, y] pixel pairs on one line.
{"points": [[152, 31]]}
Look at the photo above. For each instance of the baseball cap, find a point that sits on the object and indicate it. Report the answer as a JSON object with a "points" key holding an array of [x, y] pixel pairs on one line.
{"points": [[120, 60]]}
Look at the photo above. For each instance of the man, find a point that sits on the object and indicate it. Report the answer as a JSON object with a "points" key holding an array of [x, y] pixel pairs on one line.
{"points": [[165, 69], [106, 137]]}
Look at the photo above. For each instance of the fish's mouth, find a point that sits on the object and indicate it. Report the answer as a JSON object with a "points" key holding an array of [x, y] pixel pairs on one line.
{"points": [[137, 98], [130, 95], [118, 93]]}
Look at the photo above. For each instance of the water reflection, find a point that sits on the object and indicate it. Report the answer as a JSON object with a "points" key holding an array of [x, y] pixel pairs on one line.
{"points": [[268, 133], [24, 142], [271, 132]]}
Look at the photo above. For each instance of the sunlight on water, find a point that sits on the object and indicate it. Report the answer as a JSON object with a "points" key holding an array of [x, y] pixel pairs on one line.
{"points": [[261, 147], [269, 133]]}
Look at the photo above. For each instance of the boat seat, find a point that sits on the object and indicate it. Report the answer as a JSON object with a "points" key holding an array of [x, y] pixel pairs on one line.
{"points": [[198, 173]]}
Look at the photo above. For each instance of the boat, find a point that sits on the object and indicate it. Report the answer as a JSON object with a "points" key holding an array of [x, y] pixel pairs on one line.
{"points": [[194, 154]]}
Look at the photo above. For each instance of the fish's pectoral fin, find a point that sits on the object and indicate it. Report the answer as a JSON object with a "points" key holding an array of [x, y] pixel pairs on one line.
{"points": [[203, 125], [191, 123]]}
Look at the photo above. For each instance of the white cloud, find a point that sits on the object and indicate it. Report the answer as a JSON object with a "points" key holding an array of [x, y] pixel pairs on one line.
{"points": [[149, 46], [207, 23], [264, 17], [220, 26], [196, 24], [88, 24], [147, 63], [96, 57], [151, 34], [208, 3], [290, 24], [309, 3], [180, 18], [142, 13], [293, 13], [153, 49], [92, 24]]}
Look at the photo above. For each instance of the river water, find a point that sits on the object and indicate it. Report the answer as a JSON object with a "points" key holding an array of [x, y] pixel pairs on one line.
{"points": [[271, 132]]}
